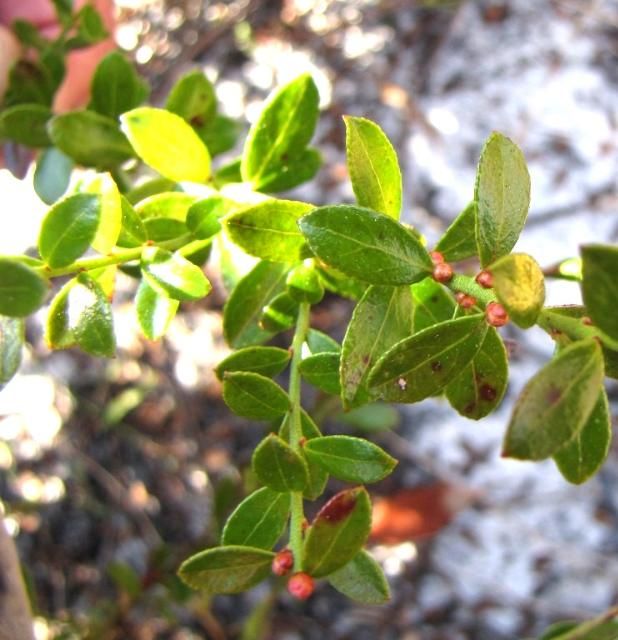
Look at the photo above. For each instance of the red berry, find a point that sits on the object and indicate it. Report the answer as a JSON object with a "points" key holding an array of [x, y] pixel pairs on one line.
{"points": [[442, 272], [496, 315], [485, 279], [437, 257], [283, 562], [301, 585], [464, 300]]}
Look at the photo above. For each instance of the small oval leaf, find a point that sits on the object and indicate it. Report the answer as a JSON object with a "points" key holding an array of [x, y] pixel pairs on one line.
{"points": [[350, 459], [366, 245], [322, 371], [337, 533], [278, 466], [26, 124], [459, 240], [69, 228], [110, 219], [230, 569], [154, 310], [258, 521], [432, 304], [361, 580], [556, 403], [22, 290], [600, 286], [165, 142], [253, 396], [11, 343], [52, 175], [267, 361]]}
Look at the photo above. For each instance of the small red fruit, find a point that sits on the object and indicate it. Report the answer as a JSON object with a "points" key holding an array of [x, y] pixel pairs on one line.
{"points": [[301, 585], [464, 300], [496, 314], [437, 257], [442, 272], [283, 562], [485, 279]]}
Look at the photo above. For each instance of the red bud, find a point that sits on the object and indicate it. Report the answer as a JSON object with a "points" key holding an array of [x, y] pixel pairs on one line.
{"points": [[496, 315], [437, 257], [283, 562], [465, 301], [485, 279], [301, 585], [442, 272]]}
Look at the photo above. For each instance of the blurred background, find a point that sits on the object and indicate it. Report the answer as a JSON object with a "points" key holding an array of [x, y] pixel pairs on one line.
{"points": [[112, 472]]}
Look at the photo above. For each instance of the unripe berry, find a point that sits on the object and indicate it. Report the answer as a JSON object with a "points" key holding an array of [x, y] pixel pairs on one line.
{"points": [[283, 562], [301, 585], [464, 300], [436, 257], [485, 279], [496, 314], [442, 272]]}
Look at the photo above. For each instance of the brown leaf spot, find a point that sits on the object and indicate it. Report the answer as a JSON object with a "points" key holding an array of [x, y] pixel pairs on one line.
{"points": [[436, 366], [470, 407], [488, 392], [338, 507], [553, 395]]}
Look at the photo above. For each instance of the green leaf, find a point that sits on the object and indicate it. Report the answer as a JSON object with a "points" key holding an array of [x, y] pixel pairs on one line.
{"points": [[322, 371], [337, 533], [193, 98], [374, 168], [479, 388], [341, 284], [423, 364], [116, 86], [173, 275], [29, 82], [174, 205], [90, 139], [229, 569], [432, 304], [279, 314], [26, 124], [591, 630], [459, 240], [319, 342], [150, 188], [165, 142], [244, 307], [304, 285], [254, 396], [203, 216], [154, 311], [502, 196], [28, 34], [267, 361], [219, 135], [132, 231], [269, 230], [278, 466], [350, 459], [600, 286], [365, 245], [110, 219], [582, 456], [372, 418], [162, 229], [259, 520], [69, 228], [52, 175], [81, 315], [64, 9], [295, 171], [12, 332], [556, 403], [281, 133], [90, 27], [22, 290], [361, 580], [227, 174], [382, 318], [520, 286]]}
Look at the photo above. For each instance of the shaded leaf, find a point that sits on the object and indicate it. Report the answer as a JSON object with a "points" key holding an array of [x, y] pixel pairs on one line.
{"points": [[337, 533], [11, 343], [267, 361], [278, 466], [373, 166], [361, 580], [173, 275], [219, 135], [432, 304], [203, 216], [479, 388], [259, 520], [582, 456], [502, 196], [295, 171], [26, 124], [90, 139], [243, 308], [269, 230], [304, 284], [254, 396], [22, 290], [382, 318], [279, 314], [52, 175], [600, 286], [322, 371], [165, 142], [520, 286], [154, 310], [459, 240], [132, 230], [319, 342], [365, 245], [372, 417], [555, 403], [193, 98], [229, 569], [423, 364], [350, 459]]}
